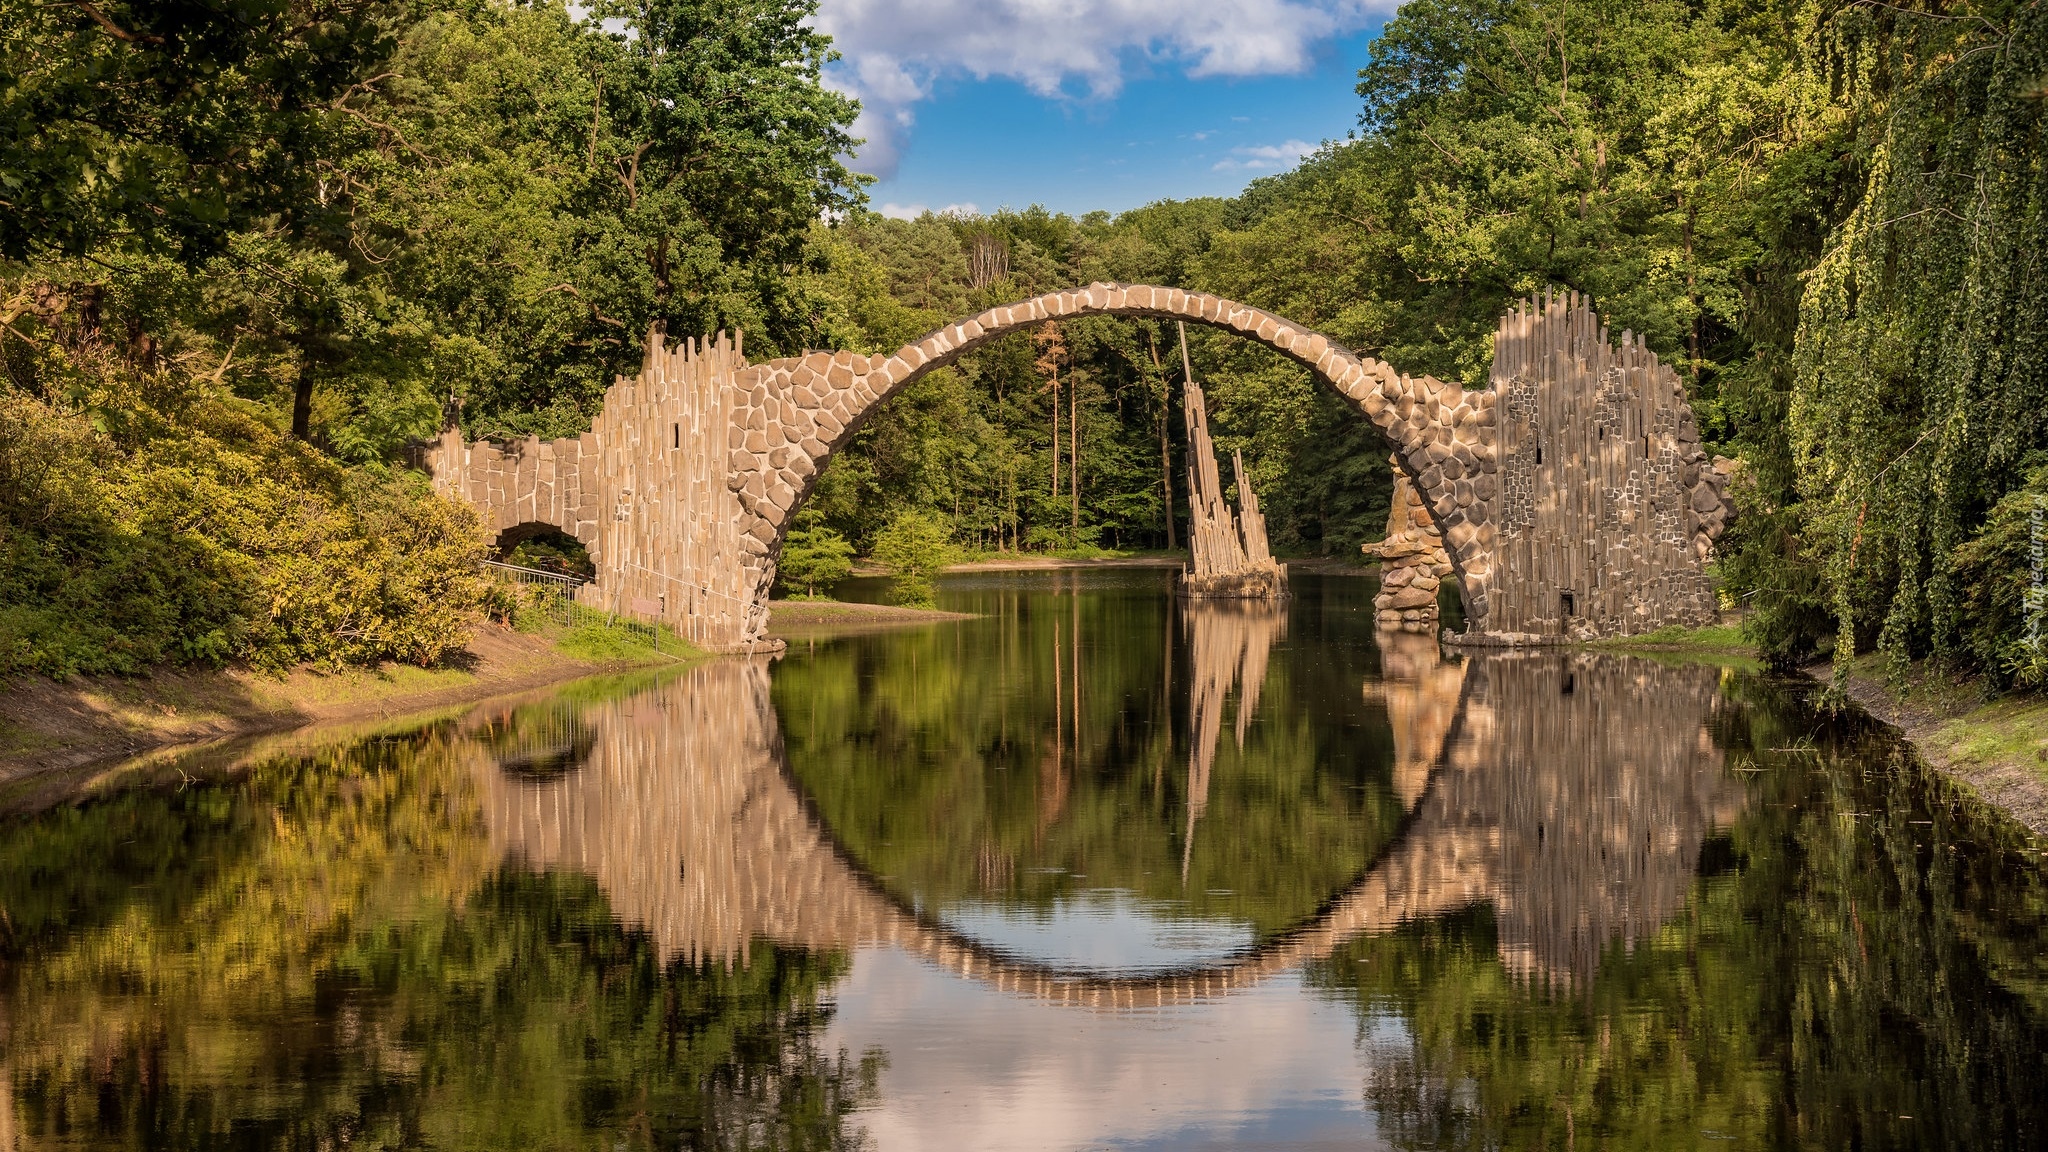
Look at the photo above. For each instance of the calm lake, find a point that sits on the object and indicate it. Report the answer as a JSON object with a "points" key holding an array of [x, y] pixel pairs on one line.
{"points": [[1091, 870]]}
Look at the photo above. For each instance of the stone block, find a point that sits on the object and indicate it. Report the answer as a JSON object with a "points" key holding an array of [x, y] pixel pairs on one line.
{"points": [[1413, 597], [757, 440]]}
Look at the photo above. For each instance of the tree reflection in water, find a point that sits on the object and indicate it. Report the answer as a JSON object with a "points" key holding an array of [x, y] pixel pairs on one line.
{"points": [[325, 952]]}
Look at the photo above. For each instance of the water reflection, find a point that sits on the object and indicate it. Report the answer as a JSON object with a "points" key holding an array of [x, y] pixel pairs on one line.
{"points": [[1229, 644], [1008, 883], [1571, 792], [1585, 785]]}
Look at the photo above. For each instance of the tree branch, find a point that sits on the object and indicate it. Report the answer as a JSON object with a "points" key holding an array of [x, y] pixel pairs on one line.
{"points": [[111, 28], [602, 318]]}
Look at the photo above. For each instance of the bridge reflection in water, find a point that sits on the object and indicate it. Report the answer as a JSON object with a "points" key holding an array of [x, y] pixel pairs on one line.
{"points": [[1571, 791]]}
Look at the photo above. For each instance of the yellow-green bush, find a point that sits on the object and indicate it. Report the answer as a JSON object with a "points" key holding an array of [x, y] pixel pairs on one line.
{"points": [[130, 538]]}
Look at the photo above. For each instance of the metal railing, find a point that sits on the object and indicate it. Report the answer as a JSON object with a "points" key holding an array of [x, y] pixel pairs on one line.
{"points": [[553, 595]]}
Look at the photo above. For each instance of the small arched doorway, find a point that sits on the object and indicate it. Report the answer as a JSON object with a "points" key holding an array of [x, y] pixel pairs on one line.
{"points": [[544, 548]]}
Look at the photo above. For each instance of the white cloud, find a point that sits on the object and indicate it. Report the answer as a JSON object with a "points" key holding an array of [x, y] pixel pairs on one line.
{"points": [[1265, 157], [972, 1067], [913, 211], [896, 49]]}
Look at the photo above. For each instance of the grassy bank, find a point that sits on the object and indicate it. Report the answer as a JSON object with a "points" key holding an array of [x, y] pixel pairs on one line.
{"points": [[824, 619], [1721, 641]]}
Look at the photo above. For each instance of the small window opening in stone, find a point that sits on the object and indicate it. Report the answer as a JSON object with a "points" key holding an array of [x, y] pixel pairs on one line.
{"points": [[679, 435], [1571, 604], [1539, 453], [1571, 681]]}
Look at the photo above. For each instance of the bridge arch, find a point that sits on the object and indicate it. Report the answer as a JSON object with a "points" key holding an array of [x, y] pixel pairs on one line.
{"points": [[1573, 494], [792, 415]]}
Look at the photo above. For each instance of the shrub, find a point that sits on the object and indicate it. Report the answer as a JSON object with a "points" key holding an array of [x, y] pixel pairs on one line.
{"points": [[2007, 635], [915, 547], [212, 538], [815, 556]]}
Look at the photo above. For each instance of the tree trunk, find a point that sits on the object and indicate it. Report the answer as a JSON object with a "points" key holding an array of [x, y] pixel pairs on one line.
{"points": [[302, 402], [1074, 460], [1165, 452], [1055, 437]]}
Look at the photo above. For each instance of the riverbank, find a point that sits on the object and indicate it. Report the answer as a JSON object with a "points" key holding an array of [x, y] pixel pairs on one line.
{"points": [[1997, 747], [49, 727]]}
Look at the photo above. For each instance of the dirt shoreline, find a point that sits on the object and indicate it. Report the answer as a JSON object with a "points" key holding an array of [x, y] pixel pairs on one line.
{"points": [[56, 737], [1941, 735], [67, 730]]}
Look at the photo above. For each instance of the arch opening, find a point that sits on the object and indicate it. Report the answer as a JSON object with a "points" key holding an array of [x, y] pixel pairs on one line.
{"points": [[801, 411], [546, 548]]}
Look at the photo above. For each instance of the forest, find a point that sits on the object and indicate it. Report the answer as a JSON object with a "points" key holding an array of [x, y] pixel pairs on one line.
{"points": [[250, 250]]}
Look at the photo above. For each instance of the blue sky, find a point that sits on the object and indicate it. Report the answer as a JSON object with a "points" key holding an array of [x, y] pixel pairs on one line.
{"points": [[1086, 104]]}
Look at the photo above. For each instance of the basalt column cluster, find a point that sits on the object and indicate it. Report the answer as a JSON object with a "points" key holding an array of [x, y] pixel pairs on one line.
{"points": [[1231, 557], [1605, 507]]}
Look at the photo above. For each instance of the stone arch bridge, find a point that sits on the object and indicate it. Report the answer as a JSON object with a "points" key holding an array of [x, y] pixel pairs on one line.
{"points": [[1578, 814], [1571, 494]]}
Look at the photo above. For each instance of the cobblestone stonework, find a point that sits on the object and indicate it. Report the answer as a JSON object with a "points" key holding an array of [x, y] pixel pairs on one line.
{"points": [[684, 488], [1412, 563]]}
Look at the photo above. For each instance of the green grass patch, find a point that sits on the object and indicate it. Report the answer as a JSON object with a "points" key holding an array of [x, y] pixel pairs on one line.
{"points": [[1717, 644], [596, 642], [1723, 638], [2012, 730]]}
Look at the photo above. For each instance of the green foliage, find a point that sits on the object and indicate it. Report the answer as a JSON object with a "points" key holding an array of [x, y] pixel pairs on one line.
{"points": [[599, 640], [2003, 572], [813, 557], [209, 538], [556, 552], [167, 124], [1920, 384], [915, 547]]}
